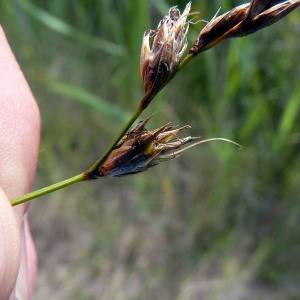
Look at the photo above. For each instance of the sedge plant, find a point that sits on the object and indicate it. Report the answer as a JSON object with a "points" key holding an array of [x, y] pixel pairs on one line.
{"points": [[162, 57]]}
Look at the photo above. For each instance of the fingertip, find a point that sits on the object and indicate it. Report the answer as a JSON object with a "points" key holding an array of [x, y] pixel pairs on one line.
{"points": [[9, 247], [19, 126]]}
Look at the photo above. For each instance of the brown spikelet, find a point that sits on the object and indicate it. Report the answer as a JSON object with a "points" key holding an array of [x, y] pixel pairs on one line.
{"points": [[264, 19], [242, 20], [141, 149], [215, 31], [162, 50]]}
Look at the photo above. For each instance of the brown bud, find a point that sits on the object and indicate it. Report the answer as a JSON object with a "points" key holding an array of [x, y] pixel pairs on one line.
{"points": [[264, 19], [141, 149], [257, 6], [242, 20], [162, 50], [215, 30]]}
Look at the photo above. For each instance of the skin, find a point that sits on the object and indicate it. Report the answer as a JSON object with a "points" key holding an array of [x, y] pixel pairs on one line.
{"points": [[19, 144]]}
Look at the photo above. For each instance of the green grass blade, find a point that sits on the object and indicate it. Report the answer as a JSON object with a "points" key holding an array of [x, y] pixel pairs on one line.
{"points": [[92, 101], [62, 27], [290, 114]]}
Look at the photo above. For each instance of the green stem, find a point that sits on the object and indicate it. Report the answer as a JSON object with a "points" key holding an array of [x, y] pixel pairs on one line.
{"points": [[48, 189], [185, 61]]}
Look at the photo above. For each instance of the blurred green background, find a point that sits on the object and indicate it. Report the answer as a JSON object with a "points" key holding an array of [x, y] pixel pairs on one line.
{"points": [[217, 223]]}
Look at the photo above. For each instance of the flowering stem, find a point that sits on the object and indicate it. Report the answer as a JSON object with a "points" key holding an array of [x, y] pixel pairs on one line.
{"points": [[48, 189], [92, 172]]}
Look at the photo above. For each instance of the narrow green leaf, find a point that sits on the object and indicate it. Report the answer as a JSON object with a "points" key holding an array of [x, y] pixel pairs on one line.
{"points": [[290, 113], [61, 27], [92, 101]]}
